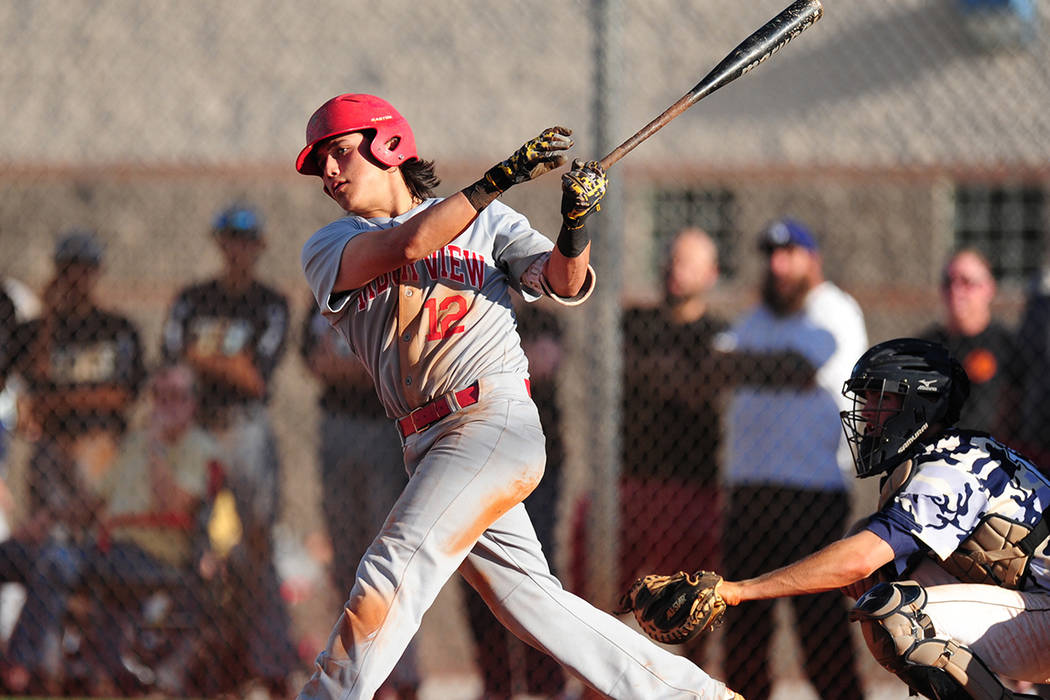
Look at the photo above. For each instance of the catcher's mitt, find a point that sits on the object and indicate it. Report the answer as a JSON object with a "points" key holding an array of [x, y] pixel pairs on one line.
{"points": [[674, 609]]}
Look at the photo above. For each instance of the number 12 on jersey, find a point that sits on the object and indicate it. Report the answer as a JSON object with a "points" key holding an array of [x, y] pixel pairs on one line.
{"points": [[443, 318]]}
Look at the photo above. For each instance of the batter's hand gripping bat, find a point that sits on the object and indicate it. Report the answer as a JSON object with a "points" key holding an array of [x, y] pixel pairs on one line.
{"points": [[766, 41]]}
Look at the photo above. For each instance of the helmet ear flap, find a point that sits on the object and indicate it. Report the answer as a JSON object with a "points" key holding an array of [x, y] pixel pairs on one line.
{"points": [[918, 416]]}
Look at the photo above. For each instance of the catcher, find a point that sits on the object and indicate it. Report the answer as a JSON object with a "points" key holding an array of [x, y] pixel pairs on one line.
{"points": [[951, 573]]}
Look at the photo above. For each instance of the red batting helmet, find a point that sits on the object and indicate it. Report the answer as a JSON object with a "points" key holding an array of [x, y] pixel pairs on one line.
{"points": [[345, 114]]}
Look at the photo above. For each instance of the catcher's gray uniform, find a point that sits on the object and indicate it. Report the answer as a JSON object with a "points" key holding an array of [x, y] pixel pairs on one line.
{"points": [[440, 334]]}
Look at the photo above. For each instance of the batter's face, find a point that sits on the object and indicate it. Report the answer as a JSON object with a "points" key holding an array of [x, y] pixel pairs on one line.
{"points": [[791, 271], [353, 178]]}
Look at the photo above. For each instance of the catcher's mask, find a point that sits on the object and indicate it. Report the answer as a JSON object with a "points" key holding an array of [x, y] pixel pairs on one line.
{"points": [[392, 139], [902, 390]]}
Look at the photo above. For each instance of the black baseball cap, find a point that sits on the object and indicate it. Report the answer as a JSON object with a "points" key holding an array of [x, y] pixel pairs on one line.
{"points": [[78, 246]]}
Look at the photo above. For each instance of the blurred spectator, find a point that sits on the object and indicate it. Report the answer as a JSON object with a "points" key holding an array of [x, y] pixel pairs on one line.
{"points": [[671, 430], [984, 346], [499, 653], [1032, 435], [82, 367], [786, 457], [362, 470], [231, 330], [154, 538], [149, 508], [8, 324], [18, 304]]}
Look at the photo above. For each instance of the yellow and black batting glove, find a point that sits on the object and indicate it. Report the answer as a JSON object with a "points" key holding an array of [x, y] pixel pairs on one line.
{"points": [[583, 188], [536, 157]]}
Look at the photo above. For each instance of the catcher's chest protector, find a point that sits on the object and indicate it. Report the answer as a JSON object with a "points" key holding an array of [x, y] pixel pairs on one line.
{"points": [[996, 553]]}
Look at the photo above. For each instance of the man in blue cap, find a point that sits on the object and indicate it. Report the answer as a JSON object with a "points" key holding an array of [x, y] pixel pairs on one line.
{"points": [[787, 464], [232, 330]]}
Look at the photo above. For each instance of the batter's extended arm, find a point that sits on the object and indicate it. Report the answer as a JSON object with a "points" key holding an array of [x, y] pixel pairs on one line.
{"points": [[370, 254]]}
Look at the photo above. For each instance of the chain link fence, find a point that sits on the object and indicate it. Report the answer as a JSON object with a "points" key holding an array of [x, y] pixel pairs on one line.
{"points": [[895, 133]]}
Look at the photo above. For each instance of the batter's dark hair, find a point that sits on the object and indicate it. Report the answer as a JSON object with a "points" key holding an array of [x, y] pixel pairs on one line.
{"points": [[420, 177], [418, 173]]}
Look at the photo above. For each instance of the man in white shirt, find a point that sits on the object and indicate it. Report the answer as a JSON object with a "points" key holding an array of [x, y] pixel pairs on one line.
{"points": [[786, 460]]}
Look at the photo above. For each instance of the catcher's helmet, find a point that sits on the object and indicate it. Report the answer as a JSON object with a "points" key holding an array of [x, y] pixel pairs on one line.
{"points": [[932, 387], [392, 140]]}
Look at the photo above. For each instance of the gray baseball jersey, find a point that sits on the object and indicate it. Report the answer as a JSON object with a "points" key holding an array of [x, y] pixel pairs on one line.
{"points": [[442, 325]]}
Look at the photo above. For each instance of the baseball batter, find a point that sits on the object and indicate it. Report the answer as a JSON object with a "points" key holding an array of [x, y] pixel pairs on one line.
{"points": [[952, 572], [420, 288]]}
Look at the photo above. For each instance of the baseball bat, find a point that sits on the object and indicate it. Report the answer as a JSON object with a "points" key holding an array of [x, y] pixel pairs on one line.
{"points": [[763, 43]]}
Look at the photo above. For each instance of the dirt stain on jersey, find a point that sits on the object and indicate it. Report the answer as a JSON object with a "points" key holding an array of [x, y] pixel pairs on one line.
{"points": [[497, 505]]}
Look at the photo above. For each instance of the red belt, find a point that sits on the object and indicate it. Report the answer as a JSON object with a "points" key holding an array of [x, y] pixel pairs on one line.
{"points": [[445, 405]]}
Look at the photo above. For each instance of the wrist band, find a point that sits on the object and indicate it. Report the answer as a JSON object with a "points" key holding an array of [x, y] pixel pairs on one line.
{"points": [[572, 241], [481, 194]]}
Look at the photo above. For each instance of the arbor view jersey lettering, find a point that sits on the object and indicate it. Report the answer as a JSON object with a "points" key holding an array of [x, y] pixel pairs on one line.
{"points": [[442, 323]]}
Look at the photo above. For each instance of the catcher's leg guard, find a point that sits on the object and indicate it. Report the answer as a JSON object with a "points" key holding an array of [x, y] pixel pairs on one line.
{"points": [[903, 640]]}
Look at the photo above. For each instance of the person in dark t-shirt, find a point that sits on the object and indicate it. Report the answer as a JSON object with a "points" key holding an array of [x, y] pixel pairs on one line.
{"points": [[984, 346], [671, 425], [81, 367], [232, 331]]}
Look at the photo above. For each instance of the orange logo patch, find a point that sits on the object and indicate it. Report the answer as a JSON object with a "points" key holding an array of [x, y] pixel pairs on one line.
{"points": [[980, 365]]}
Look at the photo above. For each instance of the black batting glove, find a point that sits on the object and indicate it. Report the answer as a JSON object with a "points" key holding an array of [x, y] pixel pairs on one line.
{"points": [[582, 190], [536, 157]]}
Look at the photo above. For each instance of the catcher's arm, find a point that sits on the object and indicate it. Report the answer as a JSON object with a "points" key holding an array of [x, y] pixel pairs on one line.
{"points": [[674, 609], [840, 564]]}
